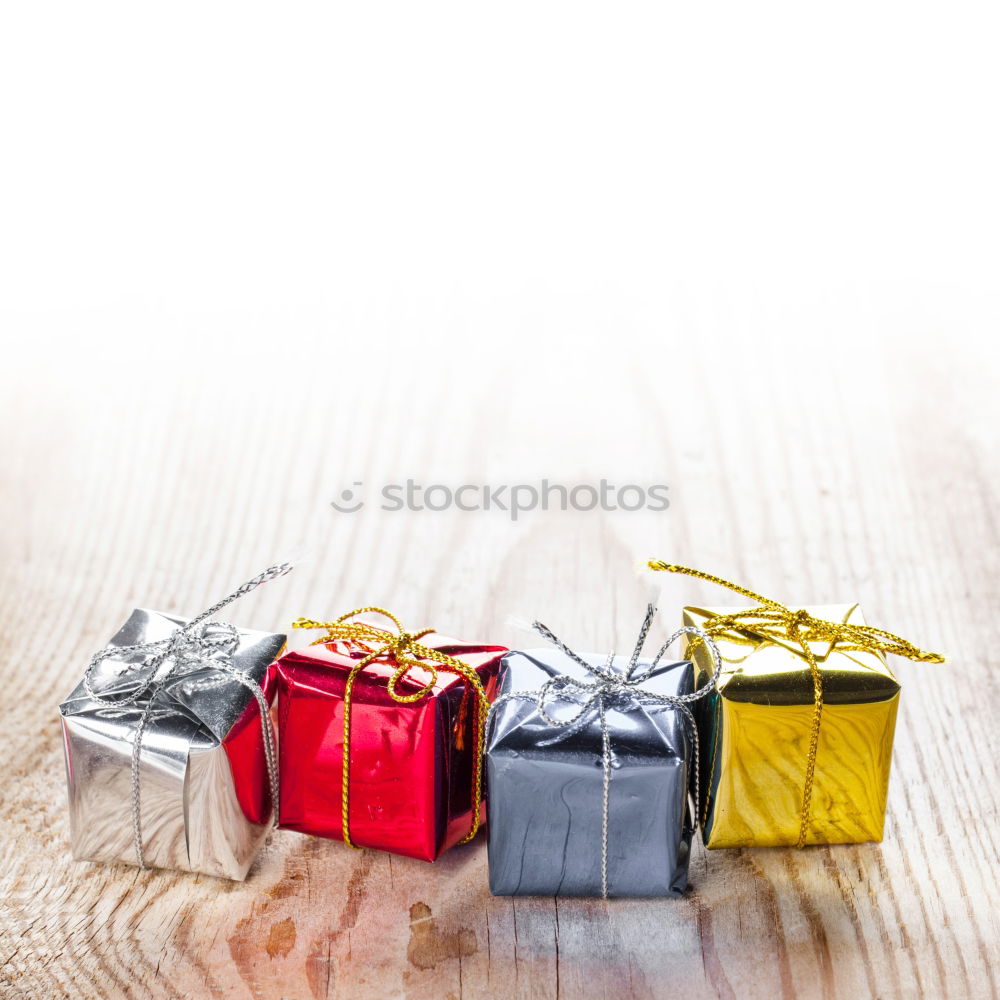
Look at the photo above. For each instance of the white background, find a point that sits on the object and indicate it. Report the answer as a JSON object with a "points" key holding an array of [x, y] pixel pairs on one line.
{"points": [[492, 178]]}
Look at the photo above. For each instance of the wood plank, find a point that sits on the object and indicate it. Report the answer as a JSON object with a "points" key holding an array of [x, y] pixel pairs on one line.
{"points": [[867, 478]]}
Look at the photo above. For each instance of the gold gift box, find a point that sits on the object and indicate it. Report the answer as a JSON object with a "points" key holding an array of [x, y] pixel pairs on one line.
{"points": [[759, 725]]}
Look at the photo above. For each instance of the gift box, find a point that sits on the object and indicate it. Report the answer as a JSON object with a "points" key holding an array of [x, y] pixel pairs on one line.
{"points": [[797, 737], [589, 762], [411, 708], [167, 763]]}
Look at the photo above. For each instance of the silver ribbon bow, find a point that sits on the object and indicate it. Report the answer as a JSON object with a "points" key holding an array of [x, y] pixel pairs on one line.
{"points": [[166, 663], [611, 685]]}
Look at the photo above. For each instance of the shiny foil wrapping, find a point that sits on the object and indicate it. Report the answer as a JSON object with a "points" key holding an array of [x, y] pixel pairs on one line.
{"points": [[411, 765], [545, 787], [756, 737], [205, 800]]}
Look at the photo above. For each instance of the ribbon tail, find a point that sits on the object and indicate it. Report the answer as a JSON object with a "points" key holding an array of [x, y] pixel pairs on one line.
{"points": [[606, 798], [137, 786]]}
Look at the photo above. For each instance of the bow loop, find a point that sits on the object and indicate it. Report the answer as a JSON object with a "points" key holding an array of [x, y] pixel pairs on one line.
{"points": [[553, 688], [215, 639], [404, 647], [406, 664], [773, 620]]}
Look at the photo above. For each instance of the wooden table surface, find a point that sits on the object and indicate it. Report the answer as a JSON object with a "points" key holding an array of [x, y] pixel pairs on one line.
{"points": [[864, 472]]}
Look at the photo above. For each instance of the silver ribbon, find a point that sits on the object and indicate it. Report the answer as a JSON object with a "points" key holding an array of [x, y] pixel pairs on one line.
{"points": [[609, 685], [198, 645]]}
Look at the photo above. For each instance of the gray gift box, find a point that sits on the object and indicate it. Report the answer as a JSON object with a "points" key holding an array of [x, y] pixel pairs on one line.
{"points": [[546, 783], [205, 799]]}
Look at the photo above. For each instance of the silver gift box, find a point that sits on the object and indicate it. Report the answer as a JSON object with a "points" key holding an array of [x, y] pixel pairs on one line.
{"points": [[545, 786], [205, 800]]}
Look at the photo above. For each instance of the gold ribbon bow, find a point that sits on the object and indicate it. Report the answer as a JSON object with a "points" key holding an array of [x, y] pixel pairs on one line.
{"points": [[408, 653], [772, 620]]}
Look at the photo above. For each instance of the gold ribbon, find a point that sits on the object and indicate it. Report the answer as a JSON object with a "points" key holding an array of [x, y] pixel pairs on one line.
{"points": [[772, 620], [408, 653]]}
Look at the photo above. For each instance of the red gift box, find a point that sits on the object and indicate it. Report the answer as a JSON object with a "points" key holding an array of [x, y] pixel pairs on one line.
{"points": [[415, 731]]}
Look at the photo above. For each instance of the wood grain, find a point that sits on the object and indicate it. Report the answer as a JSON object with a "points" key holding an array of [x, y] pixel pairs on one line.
{"points": [[870, 476]]}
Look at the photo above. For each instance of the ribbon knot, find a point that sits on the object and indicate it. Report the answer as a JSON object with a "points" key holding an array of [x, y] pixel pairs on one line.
{"points": [[773, 620], [797, 620], [164, 664], [408, 652], [610, 684]]}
